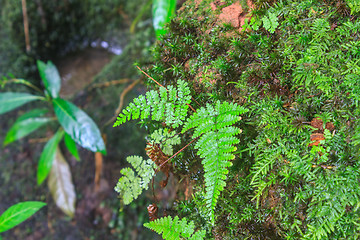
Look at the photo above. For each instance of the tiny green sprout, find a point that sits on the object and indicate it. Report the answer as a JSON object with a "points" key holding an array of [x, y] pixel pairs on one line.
{"points": [[183, 22], [235, 42], [176, 69], [173, 47], [158, 68], [221, 64], [188, 38]]}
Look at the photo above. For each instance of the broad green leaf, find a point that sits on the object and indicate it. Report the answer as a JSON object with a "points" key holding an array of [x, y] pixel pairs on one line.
{"points": [[12, 100], [50, 77], [26, 124], [71, 146], [61, 185], [18, 213], [79, 126], [162, 11], [47, 156]]}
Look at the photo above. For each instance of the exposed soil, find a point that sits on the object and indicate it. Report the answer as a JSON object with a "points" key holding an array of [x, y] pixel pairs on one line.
{"points": [[234, 14]]}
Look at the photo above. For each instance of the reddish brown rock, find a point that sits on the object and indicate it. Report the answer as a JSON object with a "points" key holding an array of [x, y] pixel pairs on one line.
{"points": [[231, 14]]}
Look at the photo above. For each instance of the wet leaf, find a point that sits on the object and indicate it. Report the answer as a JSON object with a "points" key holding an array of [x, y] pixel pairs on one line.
{"points": [[61, 185], [23, 127], [330, 126], [47, 156], [12, 100], [162, 11], [316, 138], [79, 126], [50, 77], [18, 213], [317, 123], [71, 146]]}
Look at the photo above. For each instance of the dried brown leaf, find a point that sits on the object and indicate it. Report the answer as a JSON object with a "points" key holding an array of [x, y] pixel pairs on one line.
{"points": [[61, 185]]}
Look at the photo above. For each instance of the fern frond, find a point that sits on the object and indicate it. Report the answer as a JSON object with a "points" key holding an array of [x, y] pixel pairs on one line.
{"points": [[169, 105], [175, 229], [217, 136], [131, 185], [166, 138]]}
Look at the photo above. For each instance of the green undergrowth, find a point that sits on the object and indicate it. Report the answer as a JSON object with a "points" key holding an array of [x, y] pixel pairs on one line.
{"points": [[295, 67]]}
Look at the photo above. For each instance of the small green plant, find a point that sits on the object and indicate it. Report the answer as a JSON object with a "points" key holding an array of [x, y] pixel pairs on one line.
{"points": [[354, 6], [75, 127], [168, 105], [270, 22], [214, 126], [174, 229], [18, 213]]}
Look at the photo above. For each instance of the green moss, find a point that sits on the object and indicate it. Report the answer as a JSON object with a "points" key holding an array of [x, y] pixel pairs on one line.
{"points": [[280, 187]]}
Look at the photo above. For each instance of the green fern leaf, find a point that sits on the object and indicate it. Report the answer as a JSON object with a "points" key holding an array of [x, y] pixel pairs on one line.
{"points": [[169, 105], [131, 185], [175, 229], [213, 126], [354, 6], [167, 139], [270, 22]]}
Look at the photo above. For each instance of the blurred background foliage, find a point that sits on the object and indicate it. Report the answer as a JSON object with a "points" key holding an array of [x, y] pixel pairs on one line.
{"points": [[59, 27], [78, 36]]}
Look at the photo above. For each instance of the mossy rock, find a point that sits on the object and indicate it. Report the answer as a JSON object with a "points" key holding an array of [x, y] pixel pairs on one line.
{"points": [[294, 64]]}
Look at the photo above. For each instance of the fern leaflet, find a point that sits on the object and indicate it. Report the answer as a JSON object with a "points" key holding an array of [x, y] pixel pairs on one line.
{"points": [[166, 138], [270, 22], [213, 126], [169, 105], [131, 185], [175, 229]]}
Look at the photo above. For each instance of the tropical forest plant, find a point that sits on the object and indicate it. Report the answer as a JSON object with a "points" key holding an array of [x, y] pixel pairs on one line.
{"points": [[74, 126]]}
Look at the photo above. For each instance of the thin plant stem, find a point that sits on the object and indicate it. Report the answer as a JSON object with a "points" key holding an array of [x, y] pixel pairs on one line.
{"points": [[26, 83], [182, 149]]}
